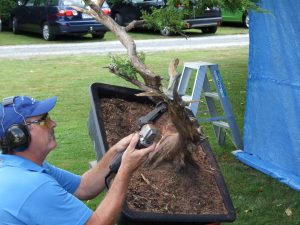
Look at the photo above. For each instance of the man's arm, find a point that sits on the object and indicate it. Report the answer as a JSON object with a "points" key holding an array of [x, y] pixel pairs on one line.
{"points": [[93, 181], [109, 209]]}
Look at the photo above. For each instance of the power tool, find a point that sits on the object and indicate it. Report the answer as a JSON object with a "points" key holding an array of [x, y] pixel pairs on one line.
{"points": [[147, 132]]}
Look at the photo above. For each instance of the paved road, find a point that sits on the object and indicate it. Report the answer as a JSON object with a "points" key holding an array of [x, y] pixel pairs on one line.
{"points": [[104, 47]]}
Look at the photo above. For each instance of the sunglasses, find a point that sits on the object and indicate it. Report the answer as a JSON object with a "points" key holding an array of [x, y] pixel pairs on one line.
{"points": [[44, 121]]}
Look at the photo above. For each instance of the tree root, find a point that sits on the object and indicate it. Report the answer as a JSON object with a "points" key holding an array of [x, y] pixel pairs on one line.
{"points": [[154, 187], [172, 148]]}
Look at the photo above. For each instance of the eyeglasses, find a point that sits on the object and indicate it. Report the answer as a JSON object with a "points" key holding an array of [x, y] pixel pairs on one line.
{"points": [[44, 121]]}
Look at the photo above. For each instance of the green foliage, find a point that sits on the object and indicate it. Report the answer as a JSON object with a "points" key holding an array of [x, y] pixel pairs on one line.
{"points": [[170, 17], [124, 67], [233, 5], [5, 8], [112, 2]]}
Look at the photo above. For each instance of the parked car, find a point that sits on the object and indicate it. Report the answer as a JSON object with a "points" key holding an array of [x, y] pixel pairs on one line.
{"points": [[240, 16], [55, 17], [123, 12]]}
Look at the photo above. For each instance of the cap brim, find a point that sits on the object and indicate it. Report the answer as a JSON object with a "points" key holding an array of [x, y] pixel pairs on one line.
{"points": [[44, 106]]}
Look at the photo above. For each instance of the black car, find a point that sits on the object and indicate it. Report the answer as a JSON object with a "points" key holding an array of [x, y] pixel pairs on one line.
{"points": [[56, 17], [126, 11]]}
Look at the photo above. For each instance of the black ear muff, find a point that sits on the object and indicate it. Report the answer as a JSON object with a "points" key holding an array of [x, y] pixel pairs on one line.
{"points": [[17, 137]]}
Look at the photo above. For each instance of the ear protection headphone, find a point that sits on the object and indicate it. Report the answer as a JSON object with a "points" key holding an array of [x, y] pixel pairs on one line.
{"points": [[17, 136]]}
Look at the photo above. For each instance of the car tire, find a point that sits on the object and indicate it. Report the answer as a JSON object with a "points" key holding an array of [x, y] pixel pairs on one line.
{"points": [[118, 19], [15, 28], [209, 30], [246, 20], [166, 32], [47, 32], [98, 35]]}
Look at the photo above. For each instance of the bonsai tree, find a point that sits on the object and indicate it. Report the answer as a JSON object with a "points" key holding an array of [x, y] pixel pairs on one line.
{"points": [[182, 134]]}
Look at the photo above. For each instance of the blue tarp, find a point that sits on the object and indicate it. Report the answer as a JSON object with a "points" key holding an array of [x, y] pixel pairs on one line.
{"points": [[272, 117]]}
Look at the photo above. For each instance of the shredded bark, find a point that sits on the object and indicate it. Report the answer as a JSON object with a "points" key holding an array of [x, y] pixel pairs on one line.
{"points": [[162, 189]]}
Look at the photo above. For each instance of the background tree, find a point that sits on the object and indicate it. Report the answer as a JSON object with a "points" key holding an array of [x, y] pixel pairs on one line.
{"points": [[5, 8]]}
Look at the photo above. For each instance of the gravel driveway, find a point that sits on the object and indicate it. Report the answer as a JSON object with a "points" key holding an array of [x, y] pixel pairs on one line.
{"points": [[105, 47]]}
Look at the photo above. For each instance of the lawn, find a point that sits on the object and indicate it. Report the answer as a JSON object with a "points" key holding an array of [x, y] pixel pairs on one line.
{"points": [[8, 38], [258, 199]]}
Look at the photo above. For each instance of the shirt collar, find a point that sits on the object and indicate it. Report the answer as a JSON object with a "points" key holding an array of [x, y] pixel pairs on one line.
{"points": [[18, 161]]}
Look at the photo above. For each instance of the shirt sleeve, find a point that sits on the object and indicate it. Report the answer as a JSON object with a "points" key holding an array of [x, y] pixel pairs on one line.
{"points": [[69, 181], [50, 204]]}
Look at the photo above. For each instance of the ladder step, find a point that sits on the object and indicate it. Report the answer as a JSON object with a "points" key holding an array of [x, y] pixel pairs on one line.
{"points": [[197, 65], [211, 95], [221, 124]]}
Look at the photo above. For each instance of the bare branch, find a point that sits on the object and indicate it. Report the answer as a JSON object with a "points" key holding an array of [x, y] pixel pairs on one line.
{"points": [[151, 79], [137, 83], [176, 96], [134, 24], [183, 34], [172, 68], [149, 94], [174, 76]]}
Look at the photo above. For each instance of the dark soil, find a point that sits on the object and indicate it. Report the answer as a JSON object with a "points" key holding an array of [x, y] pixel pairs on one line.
{"points": [[162, 190]]}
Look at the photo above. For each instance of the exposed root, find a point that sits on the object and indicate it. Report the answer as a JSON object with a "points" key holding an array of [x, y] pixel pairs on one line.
{"points": [[154, 187], [171, 148]]}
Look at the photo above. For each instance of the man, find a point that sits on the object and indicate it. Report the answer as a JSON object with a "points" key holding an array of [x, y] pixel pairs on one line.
{"points": [[33, 191]]}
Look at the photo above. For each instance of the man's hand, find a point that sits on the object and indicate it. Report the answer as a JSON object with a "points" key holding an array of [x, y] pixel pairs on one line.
{"points": [[133, 157], [121, 145]]}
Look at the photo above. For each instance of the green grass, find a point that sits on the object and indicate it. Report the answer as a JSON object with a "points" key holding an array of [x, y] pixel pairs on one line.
{"points": [[258, 199], [8, 38]]}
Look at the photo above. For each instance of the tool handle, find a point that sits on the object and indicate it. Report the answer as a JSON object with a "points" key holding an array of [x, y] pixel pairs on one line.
{"points": [[153, 115], [114, 167]]}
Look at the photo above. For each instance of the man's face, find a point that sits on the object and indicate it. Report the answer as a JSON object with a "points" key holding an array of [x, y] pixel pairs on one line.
{"points": [[42, 133]]}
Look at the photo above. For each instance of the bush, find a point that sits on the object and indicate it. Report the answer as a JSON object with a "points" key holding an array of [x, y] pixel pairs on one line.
{"points": [[5, 8]]}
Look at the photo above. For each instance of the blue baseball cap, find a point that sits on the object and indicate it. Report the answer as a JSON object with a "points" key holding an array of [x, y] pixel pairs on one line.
{"points": [[15, 110]]}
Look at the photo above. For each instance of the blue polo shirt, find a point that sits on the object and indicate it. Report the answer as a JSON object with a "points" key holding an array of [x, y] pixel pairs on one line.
{"points": [[38, 195]]}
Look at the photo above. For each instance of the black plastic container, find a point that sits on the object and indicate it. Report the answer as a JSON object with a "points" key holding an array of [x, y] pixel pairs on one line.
{"points": [[129, 216]]}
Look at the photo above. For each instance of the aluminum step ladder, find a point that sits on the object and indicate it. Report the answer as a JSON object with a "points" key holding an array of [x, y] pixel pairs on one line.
{"points": [[202, 84]]}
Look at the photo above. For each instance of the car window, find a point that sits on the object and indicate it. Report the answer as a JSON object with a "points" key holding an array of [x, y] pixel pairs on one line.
{"points": [[79, 3], [30, 3], [137, 1]]}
